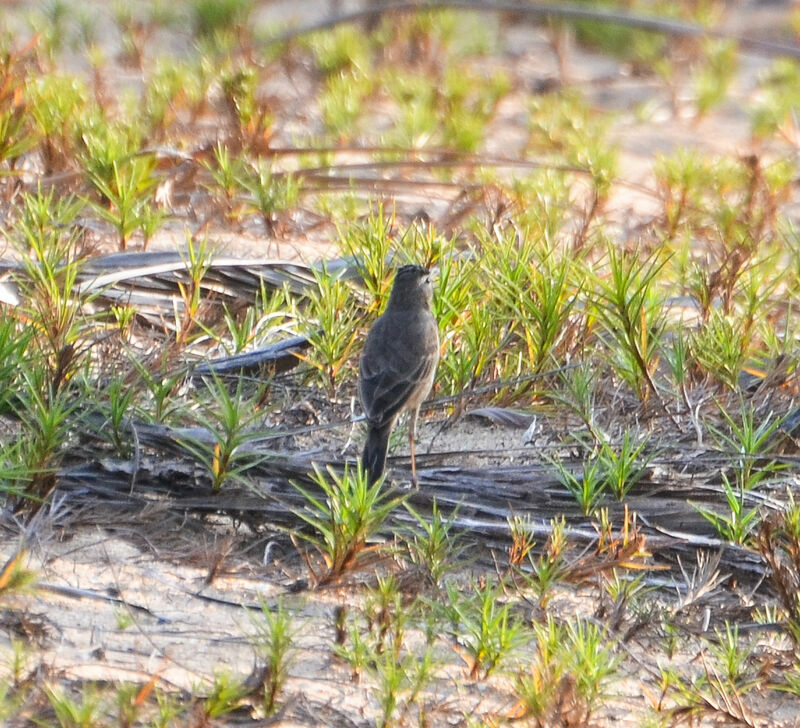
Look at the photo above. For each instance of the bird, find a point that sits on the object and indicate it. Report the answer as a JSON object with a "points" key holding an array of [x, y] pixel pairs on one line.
{"points": [[398, 365]]}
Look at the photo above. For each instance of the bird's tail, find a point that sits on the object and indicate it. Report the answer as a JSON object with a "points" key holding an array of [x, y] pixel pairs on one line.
{"points": [[374, 457]]}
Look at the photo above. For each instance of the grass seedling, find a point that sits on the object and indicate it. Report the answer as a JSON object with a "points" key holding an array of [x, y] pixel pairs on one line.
{"points": [[538, 573], [85, 712], [44, 236], [345, 48], [740, 521], [487, 630], [387, 618], [55, 102], [721, 347], [572, 667], [592, 661], [343, 102], [529, 288], [632, 317], [163, 406], [774, 114], [126, 197], [588, 488], [712, 79], [350, 512], [14, 341], [354, 645], [378, 649], [622, 468], [213, 17], [250, 116], [198, 258], [370, 242], [227, 693], [273, 642], [330, 321], [522, 541], [30, 462], [708, 694], [229, 419], [471, 349], [227, 171], [120, 404], [400, 677], [431, 545], [269, 193], [731, 655], [746, 440], [626, 594], [123, 619]]}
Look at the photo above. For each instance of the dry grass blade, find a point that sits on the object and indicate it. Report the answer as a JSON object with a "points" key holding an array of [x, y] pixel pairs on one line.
{"points": [[704, 579]]}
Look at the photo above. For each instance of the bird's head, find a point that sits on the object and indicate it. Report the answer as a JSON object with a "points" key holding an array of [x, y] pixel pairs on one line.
{"points": [[412, 287]]}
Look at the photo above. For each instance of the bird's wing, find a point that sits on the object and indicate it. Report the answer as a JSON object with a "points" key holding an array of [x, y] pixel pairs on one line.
{"points": [[385, 387]]}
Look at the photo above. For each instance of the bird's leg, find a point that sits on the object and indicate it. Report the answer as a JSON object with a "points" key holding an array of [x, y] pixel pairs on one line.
{"points": [[412, 428]]}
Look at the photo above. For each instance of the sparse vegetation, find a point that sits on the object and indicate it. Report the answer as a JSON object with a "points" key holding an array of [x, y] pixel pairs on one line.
{"points": [[642, 335]]}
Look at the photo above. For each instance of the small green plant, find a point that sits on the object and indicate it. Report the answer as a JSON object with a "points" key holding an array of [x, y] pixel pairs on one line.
{"points": [[707, 694], [588, 487], [123, 618], [250, 116], [746, 442], [55, 103], [722, 346], [631, 315], [120, 405], [731, 655], [70, 712], [343, 102], [377, 648], [774, 114], [348, 514], [739, 522], [572, 667], [213, 17], [345, 48], [778, 541], [626, 594], [229, 419], [712, 78], [162, 405], [198, 258], [431, 545], [30, 462], [46, 239], [370, 242], [227, 171], [273, 643], [622, 468], [269, 193], [330, 321], [487, 629], [539, 573], [401, 676], [227, 693]]}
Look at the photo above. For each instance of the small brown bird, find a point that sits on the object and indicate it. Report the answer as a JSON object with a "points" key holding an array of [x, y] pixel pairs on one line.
{"points": [[398, 365]]}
